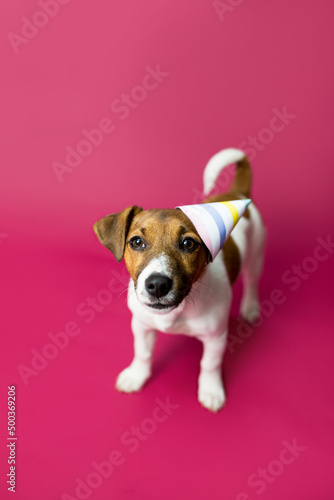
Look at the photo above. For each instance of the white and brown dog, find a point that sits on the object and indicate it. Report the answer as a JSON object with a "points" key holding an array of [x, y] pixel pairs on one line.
{"points": [[169, 263]]}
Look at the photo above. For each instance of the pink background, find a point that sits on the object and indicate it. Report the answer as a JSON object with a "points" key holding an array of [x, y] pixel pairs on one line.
{"points": [[226, 76]]}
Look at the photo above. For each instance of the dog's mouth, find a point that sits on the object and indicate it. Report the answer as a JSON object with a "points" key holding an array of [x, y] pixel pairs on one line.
{"points": [[161, 307], [169, 306]]}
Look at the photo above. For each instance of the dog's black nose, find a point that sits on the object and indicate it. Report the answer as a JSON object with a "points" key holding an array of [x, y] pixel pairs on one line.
{"points": [[158, 285]]}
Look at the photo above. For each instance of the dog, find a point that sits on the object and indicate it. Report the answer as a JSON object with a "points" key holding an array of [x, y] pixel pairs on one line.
{"points": [[175, 288]]}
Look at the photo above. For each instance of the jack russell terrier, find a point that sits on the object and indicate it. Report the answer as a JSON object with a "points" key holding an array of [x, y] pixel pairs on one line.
{"points": [[176, 284]]}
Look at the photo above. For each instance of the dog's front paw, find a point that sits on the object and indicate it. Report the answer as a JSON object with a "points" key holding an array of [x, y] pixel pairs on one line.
{"points": [[132, 378], [211, 392]]}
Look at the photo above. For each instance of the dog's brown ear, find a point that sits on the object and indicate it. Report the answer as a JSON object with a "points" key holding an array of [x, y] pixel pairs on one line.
{"points": [[113, 229]]}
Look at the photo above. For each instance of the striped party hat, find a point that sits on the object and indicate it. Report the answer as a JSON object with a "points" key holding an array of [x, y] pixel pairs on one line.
{"points": [[214, 221]]}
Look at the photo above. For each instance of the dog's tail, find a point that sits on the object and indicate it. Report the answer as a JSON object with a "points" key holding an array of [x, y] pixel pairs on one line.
{"points": [[242, 178]]}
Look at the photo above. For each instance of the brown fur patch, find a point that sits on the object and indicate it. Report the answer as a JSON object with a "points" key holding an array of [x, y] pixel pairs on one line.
{"points": [[243, 178], [162, 232], [231, 257], [230, 251], [112, 230]]}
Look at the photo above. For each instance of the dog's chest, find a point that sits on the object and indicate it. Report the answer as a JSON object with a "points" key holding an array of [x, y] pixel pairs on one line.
{"points": [[171, 325], [203, 312], [191, 324]]}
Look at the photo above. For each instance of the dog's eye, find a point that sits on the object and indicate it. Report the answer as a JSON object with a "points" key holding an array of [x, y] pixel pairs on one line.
{"points": [[137, 243], [188, 245]]}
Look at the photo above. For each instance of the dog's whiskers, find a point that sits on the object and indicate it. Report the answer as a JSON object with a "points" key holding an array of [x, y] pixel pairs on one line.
{"points": [[125, 289], [203, 284]]}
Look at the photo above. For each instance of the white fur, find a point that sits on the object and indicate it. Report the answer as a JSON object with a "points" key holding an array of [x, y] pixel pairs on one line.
{"points": [[216, 164], [157, 265], [203, 315]]}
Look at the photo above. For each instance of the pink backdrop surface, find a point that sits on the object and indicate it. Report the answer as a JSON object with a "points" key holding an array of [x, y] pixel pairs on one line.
{"points": [[251, 74]]}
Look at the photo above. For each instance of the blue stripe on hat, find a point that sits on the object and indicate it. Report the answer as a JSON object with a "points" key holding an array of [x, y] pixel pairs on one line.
{"points": [[218, 220]]}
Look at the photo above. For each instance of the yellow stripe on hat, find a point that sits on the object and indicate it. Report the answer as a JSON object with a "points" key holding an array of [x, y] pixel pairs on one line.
{"points": [[233, 210]]}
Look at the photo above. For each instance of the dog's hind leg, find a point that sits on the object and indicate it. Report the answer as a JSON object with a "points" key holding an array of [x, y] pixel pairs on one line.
{"points": [[252, 267]]}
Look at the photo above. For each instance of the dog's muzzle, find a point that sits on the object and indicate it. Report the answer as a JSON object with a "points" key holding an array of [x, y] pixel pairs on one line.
{"points": [[155, 287]]}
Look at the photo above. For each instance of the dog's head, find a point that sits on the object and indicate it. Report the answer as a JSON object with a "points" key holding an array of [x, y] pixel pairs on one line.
{"points": [[163, 253]]}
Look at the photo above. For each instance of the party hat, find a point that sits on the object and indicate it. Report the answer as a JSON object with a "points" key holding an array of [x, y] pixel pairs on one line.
{"points": [[214, 221]]}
